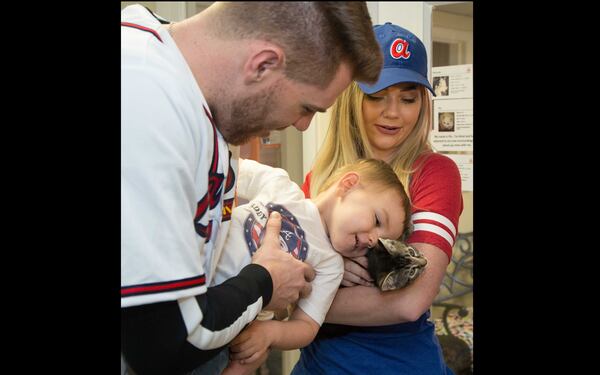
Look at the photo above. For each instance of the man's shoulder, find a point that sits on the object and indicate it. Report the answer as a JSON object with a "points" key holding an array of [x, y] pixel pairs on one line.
{"points": [[139, 15]]}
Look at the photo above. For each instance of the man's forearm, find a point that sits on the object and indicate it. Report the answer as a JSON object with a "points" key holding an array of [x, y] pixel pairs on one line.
{"points": [[176, 336]]}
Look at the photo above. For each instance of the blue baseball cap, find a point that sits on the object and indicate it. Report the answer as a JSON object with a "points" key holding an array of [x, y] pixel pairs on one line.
{"points": [[404, 59]]}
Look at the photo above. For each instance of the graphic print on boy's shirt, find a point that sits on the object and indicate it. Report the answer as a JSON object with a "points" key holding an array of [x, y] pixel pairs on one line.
{"points": [[291, 235]]}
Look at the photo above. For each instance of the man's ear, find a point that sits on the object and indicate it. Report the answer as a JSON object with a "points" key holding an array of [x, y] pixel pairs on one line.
{"points": [[348, 182], [262, 62]]}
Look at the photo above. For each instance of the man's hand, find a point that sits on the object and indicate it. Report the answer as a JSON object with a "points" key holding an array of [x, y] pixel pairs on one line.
{"points": [[291, 277], [355, 272]]}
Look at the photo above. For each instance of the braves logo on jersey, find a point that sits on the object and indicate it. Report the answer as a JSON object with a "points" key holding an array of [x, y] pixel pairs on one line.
{"points": [[215, 187], [229, 184], [291, 236]]}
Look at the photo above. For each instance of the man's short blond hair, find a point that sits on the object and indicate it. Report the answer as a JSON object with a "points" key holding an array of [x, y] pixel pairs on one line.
{"points": [[316, 36]]}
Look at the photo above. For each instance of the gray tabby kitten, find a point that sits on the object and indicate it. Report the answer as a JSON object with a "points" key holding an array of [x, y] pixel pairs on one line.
{"points": [[394, 264]]}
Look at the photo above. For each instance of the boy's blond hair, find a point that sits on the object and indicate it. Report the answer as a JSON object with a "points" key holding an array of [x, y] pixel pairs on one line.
{"points": [[378, 175]]}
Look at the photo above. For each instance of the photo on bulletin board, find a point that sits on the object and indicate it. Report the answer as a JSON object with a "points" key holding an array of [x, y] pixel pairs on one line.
{"points": [[446, 121], [440, 86]]}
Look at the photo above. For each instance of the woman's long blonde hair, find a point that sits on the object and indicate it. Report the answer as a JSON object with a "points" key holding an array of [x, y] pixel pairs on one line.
{"points": [[346, 139]]}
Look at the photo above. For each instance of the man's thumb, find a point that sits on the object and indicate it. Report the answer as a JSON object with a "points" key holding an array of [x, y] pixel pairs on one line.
{"points": [[273, 228]]}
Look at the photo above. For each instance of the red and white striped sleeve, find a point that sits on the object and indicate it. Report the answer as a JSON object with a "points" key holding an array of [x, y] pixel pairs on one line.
{"points": [[435, 192]]}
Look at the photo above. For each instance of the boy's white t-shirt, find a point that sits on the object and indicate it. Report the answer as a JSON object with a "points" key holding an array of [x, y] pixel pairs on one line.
{"points": [[302, 233]]}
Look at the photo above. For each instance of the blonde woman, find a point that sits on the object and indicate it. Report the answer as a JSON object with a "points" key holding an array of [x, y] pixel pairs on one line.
{"points": [[369, 331]]}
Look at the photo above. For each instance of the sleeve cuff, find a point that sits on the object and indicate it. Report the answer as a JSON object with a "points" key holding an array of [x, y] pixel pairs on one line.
{"points": [[262, 277]]}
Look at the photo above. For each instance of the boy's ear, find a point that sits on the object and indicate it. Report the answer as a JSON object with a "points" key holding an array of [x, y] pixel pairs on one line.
{"points": [[348, 182], [262, 62]]}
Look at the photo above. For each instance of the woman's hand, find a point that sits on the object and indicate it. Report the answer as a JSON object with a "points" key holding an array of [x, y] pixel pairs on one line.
{"points": [[355, 272]]}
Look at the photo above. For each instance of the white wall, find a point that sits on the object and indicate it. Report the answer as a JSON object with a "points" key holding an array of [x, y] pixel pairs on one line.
{"points": [[172, 10], [454, 28]]}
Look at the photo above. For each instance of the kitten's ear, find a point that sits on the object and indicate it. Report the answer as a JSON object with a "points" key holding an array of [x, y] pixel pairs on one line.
{"points": [[398, 279], [394, 247], [387, 244], [388, 282]]}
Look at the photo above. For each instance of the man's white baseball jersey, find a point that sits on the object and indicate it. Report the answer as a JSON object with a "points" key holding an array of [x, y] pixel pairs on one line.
{"points": [[175, 168], [177, 190]]}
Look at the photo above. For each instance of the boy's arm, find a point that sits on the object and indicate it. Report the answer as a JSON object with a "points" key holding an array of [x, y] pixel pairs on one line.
{"points": [[256, 339], [297, 332]]}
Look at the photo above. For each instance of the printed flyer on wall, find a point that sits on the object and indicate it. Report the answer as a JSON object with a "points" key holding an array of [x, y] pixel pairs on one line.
{"points": [[465, 166], [452, 82], [452, 125]]}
